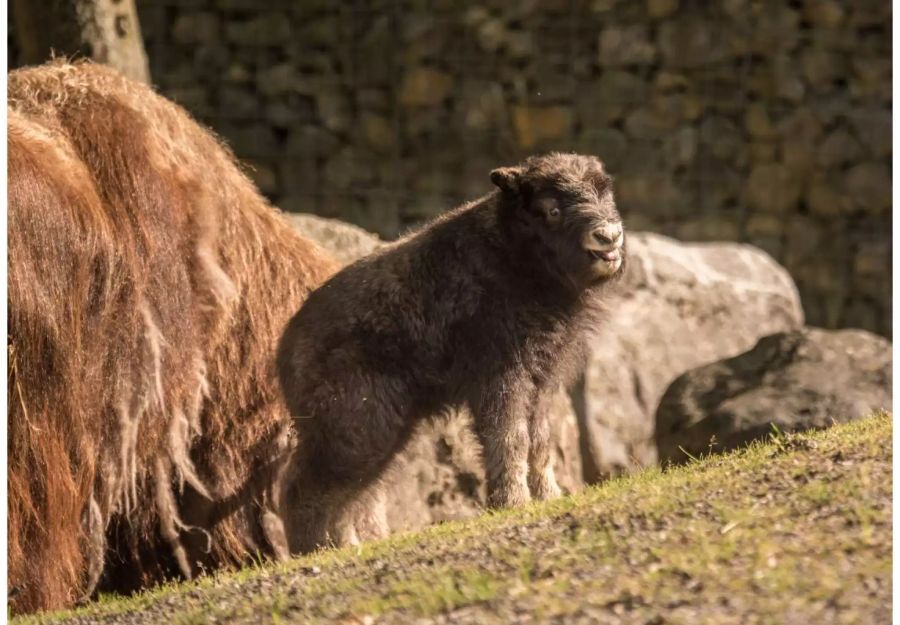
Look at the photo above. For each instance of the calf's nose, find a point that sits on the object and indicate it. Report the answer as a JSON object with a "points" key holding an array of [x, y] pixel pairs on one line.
{"points": [[609, 234]]}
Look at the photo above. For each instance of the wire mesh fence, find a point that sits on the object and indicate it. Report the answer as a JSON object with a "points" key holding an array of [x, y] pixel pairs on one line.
{"points": [[751, 120]]}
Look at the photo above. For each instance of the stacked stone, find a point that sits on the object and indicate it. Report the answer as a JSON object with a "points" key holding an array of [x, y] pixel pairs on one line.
{"points": [[754, 120]]}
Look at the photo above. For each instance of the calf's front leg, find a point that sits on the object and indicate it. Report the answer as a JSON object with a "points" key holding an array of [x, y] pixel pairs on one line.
{"points": [[501, 423], [541, 478]]}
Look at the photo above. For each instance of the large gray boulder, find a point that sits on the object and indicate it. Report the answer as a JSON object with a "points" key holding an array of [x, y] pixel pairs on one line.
{"points": [[796, 380], [344, 241], [681, 305]]}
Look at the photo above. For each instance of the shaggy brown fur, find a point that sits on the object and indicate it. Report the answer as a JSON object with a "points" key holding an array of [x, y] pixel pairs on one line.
{"points": [[487, 308], [148, 285]]}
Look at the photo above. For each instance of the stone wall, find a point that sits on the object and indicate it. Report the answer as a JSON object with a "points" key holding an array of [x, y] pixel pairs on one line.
{"points": [[759, 121]]}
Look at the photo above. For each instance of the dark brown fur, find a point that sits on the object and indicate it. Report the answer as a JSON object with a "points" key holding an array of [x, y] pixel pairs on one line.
{"points": [[486, 308], [148, 285]]}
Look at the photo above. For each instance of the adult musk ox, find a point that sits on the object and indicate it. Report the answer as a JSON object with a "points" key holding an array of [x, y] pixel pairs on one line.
{"points": [[487, 307], [148, 285]]}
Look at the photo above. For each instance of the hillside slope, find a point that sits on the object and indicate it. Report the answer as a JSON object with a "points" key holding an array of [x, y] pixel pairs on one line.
{"points": [[797, 530]]}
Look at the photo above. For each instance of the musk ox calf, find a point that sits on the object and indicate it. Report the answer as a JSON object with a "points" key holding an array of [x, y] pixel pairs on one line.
{"points": [[487, 307], [149, 283]]}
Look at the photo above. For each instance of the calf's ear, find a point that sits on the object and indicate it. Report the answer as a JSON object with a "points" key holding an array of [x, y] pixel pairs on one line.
{"points": [[507, 178]]}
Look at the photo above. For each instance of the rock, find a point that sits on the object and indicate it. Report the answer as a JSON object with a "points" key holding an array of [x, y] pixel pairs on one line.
{"points": [[265, 29], [310, 140], [549, 84], [236, 102], [821, 67], [797, 380], [299, 177], [758, 123], [772, 187], [193, 98], [290, 110], [490, 34], [344, 241], [484, 106], [346, 169], [425, 86], [334, 109], [871, 78], [433, 181], [800, 131], [800, 126], [709, 228], [823, 198], [838, 149], [277, 79], [211, 59], [534, 125], [650, 122], [373, 53], [519, 44], [720, 198], [237, 73], [873, 259], [373, 99], [762, 152], [873, 127], [321, 32], [868, 186], [602, 6], [645, 193], [866, 14], [787, 82], [720, 136], [804, 237], [666, 80], [425, 124], [862, 314], [682, 305], [377, 131], [825, 13], [658, 9], [764, 225], [197, 28], [625, 45], [609, 98], [609, 142], [439, 477], [645, 160], [253, 140], [689, 42], [242, 5], [680, 147], [775, 29]]}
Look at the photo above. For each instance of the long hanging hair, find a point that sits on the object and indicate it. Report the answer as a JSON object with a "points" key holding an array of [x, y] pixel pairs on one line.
{"points": [[148, 285]]}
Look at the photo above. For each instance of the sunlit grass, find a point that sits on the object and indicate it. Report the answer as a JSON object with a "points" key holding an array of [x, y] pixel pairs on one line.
{"points": [[796, 524]]}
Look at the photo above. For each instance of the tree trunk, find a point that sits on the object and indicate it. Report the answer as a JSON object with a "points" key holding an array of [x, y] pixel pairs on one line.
{"points": [[106, 31]]}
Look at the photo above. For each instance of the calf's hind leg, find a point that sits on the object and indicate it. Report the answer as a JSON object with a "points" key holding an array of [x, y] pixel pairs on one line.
{"points": [[344, 450]]}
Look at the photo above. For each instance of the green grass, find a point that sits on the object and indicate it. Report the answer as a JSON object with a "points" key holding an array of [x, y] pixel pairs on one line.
{"points": [[797, 528]]}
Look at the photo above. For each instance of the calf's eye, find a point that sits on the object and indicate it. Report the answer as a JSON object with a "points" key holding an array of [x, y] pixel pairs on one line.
{"points": [[554, 212]]}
